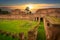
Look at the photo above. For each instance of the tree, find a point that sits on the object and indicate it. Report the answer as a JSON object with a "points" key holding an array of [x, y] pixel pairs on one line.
{"points": [[27, 10], [5, 12], [0, 10]]}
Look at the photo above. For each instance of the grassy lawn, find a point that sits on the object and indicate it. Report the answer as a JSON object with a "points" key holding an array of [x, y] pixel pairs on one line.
{"points": [[16, 26], [41, 32]]}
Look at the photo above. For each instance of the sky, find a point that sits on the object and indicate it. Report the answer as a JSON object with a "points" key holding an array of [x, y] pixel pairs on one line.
{"points": [[34, 4]]}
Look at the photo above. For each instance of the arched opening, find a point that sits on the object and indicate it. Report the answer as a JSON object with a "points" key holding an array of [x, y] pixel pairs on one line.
{"points": [[48, 24], [41, 19], [37, 18]]}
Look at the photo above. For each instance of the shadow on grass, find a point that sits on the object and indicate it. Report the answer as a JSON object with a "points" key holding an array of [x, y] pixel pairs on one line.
{"points": [[41, 32], [4, 37]]}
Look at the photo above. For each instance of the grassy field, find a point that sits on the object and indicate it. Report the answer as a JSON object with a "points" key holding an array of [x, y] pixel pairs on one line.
{"points": [[16, 26], [41, 32]]}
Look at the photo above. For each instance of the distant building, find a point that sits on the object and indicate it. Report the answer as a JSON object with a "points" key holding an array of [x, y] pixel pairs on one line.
{"points": [[40, 13], [17, 11], [49, 11]]}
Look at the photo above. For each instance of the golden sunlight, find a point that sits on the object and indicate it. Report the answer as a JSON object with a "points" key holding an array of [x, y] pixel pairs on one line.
{"points": [[30, 6]]}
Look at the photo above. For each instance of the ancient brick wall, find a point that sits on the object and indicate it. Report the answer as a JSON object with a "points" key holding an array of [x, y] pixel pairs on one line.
{"points": [[49, 11], [52, 31]]}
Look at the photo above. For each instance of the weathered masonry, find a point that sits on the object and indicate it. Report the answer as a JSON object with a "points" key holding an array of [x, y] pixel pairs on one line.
{"points": [[52, 28]]}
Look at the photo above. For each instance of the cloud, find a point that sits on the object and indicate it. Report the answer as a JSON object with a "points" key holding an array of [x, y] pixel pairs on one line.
{"points": [[46, 6], [35, 6]]}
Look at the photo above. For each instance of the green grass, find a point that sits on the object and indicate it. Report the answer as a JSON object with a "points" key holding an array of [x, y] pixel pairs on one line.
{"points": [[4, 37], [41, 32], [16, 26]]}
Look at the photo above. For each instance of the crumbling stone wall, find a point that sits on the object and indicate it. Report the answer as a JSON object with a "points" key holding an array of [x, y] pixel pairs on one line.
{"points": [[49, 11], [52, 31], [32, 34]]}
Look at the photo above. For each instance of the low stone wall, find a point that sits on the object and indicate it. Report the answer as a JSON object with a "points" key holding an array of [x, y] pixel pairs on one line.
{"points": [[32, 34], [32, 17], [18, 17]]}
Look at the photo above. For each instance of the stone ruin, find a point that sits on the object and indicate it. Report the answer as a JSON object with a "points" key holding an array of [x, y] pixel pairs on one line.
{"points": [[52, 28], [33, 16]]}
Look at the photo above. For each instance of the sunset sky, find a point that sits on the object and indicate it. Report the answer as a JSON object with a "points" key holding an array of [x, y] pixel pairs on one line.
{"points": [[33, 4]]}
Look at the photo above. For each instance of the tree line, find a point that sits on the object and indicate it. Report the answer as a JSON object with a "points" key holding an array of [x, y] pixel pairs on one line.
{"points": [[4, 12]]}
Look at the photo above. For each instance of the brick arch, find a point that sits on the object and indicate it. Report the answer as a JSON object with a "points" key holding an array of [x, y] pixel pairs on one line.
{"points": [[41, 19], [37, 18]]}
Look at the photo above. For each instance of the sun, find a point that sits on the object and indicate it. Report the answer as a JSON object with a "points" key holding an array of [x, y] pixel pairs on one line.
{"points": [[30, 6]]}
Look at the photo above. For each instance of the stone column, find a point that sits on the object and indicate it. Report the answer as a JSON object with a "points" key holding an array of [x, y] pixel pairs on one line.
{"points": [[21, 36], [32, 35]]}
